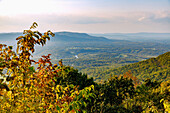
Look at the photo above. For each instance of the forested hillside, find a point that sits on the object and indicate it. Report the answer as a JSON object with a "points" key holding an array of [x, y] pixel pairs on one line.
{"points": [[154, 68]]}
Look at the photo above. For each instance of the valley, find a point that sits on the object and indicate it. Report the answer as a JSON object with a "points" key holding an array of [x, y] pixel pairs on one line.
{"points": [[94, 55]]}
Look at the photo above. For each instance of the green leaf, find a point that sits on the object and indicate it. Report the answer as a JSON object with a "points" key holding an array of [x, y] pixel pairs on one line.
{"points": [[32, 68], [84, 111], [58, 108], [85, 104], [70, 108]]}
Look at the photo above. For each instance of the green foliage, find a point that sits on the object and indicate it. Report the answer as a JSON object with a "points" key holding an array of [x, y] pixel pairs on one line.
{"points": [[149, 95], [154, 68], [69, 75], [117, 89]]}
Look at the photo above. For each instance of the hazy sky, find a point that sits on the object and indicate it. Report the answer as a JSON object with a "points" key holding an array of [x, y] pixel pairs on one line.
{"points": [[90, 16]]}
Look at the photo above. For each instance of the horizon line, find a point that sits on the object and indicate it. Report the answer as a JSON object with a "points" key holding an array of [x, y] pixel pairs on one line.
{"points": [[90, 32]]}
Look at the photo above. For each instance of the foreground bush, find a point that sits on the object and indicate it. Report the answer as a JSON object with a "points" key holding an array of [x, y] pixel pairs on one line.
{"points": [[37, 90]]}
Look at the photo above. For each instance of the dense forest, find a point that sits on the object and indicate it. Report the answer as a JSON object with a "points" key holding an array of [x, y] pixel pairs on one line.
{"points": [[154, 68], [59, 88]]}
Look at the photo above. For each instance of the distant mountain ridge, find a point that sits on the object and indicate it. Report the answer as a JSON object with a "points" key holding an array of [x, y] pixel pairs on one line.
{"points": [[106, 37], [9, 38], [141, 36], [74, 36]]}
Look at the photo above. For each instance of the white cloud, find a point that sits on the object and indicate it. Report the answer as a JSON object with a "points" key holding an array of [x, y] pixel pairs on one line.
{"points": [[162, 14], [141, 19]]}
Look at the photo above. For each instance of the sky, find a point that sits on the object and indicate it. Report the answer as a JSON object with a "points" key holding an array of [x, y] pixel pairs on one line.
{"points": [[87, 16]]}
